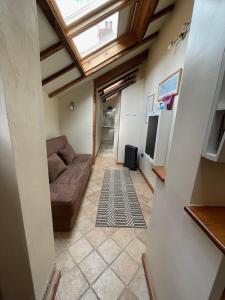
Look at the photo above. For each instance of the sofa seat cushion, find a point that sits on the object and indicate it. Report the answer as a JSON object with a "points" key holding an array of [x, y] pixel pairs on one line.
{"points": [[63, 198], [77, 172], [67, 154], [55, 167]]}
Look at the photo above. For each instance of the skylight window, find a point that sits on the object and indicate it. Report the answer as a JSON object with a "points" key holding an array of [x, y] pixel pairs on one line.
{"points": [[97, 36], [73, 10]]}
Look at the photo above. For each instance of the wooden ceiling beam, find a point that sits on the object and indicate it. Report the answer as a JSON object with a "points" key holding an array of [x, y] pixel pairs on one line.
{"points": [[118, 79], [116, 89], [114, 95], [143, 14], [44, 5], [58, 74], [121, 69], [119, 89], [162, 13], [132, 63], [51, 50], [122, 81]]}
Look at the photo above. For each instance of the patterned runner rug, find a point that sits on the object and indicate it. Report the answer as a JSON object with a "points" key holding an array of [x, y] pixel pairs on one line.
{"points": [[119, 205]]}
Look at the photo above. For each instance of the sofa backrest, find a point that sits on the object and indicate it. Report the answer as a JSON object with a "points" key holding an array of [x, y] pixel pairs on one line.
{"points": [[55, 144]]}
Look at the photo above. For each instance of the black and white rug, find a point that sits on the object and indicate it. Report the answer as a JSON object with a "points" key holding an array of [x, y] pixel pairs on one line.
{"points": [[119, 205]]}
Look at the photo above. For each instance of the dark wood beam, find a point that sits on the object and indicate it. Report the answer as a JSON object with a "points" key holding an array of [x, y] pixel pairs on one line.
{"points": [[114, 95], [135, 61], [162, 13], [128, 74], [144, 12], [120, 82], [51, 50], [118, 89], [43, 4], [121, 69], [58, 74], [130, 64]]}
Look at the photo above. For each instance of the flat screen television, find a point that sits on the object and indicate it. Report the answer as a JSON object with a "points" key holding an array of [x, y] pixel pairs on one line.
{"points": [[151, 135]]}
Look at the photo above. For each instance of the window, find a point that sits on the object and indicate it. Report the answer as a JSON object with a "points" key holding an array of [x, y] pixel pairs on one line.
{"points": [[73, 10], [97, 36]]}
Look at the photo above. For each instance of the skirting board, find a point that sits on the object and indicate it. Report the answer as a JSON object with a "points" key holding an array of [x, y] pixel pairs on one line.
{"points": [[148, 277], [98, 150], [53, 285], [146, 180]]}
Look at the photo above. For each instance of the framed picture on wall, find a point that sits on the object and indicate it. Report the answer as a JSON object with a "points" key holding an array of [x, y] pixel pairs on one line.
{"points": [[170, 85], [149, 106]]}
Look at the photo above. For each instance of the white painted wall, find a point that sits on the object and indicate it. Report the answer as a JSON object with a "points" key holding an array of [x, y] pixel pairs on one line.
{"points": [[184, 263], [27, 244], [160, 64], [131, 116], [51, 112], [78, 125]]}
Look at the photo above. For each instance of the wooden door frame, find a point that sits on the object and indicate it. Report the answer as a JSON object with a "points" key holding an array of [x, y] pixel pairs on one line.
{"points": [[94, 122]]}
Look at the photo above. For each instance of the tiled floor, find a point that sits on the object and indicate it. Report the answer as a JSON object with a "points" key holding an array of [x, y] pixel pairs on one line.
{"points": [[106, 150], [103, 263]]}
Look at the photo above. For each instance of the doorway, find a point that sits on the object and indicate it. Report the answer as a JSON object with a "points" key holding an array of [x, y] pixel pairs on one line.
{"points": [[107, 126]]}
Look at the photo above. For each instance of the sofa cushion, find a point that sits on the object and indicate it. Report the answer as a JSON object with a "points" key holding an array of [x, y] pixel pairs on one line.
{"points": [[77, 172], [55, 167], [67, 154]]}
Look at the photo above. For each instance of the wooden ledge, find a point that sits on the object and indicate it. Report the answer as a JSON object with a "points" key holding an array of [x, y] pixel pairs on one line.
{"points": [[160, 172], [53, 285], [148, 277], [211, 219]]}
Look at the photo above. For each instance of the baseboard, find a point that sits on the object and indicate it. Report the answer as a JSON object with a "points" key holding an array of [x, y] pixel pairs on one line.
{"points": [[148, 277], [98, 150], [53, 285], [146, 180], [119, 163]]}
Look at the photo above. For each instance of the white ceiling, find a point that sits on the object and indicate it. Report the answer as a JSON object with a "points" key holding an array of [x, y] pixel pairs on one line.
{"points": [[47, 36], [158, 24], [54, 63], [62, 80]]}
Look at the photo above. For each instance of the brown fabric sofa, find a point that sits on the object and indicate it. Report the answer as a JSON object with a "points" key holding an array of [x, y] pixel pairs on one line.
{"points": [[68, 188]]}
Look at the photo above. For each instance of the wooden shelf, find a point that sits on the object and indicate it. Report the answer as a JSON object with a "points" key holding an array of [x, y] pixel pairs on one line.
{"points": [[160, 172], [211, 220]]}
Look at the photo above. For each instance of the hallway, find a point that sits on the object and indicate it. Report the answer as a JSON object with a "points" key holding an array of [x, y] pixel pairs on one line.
{"points": [[106, 150], [103, 263]]}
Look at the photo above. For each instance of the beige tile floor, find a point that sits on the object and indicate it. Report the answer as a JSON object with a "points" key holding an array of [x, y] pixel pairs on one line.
{"points": [[103, 263]]}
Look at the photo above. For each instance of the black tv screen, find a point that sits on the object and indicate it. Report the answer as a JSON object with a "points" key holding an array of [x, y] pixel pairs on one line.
{"points": [[151, 135]]}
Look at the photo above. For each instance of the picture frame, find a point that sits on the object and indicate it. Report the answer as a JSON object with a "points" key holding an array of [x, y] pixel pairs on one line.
{"points": [[170, 85], [149, 106]]}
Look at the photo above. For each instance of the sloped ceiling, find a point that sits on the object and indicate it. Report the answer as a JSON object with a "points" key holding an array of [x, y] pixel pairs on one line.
{"points": [[59, 71]]}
